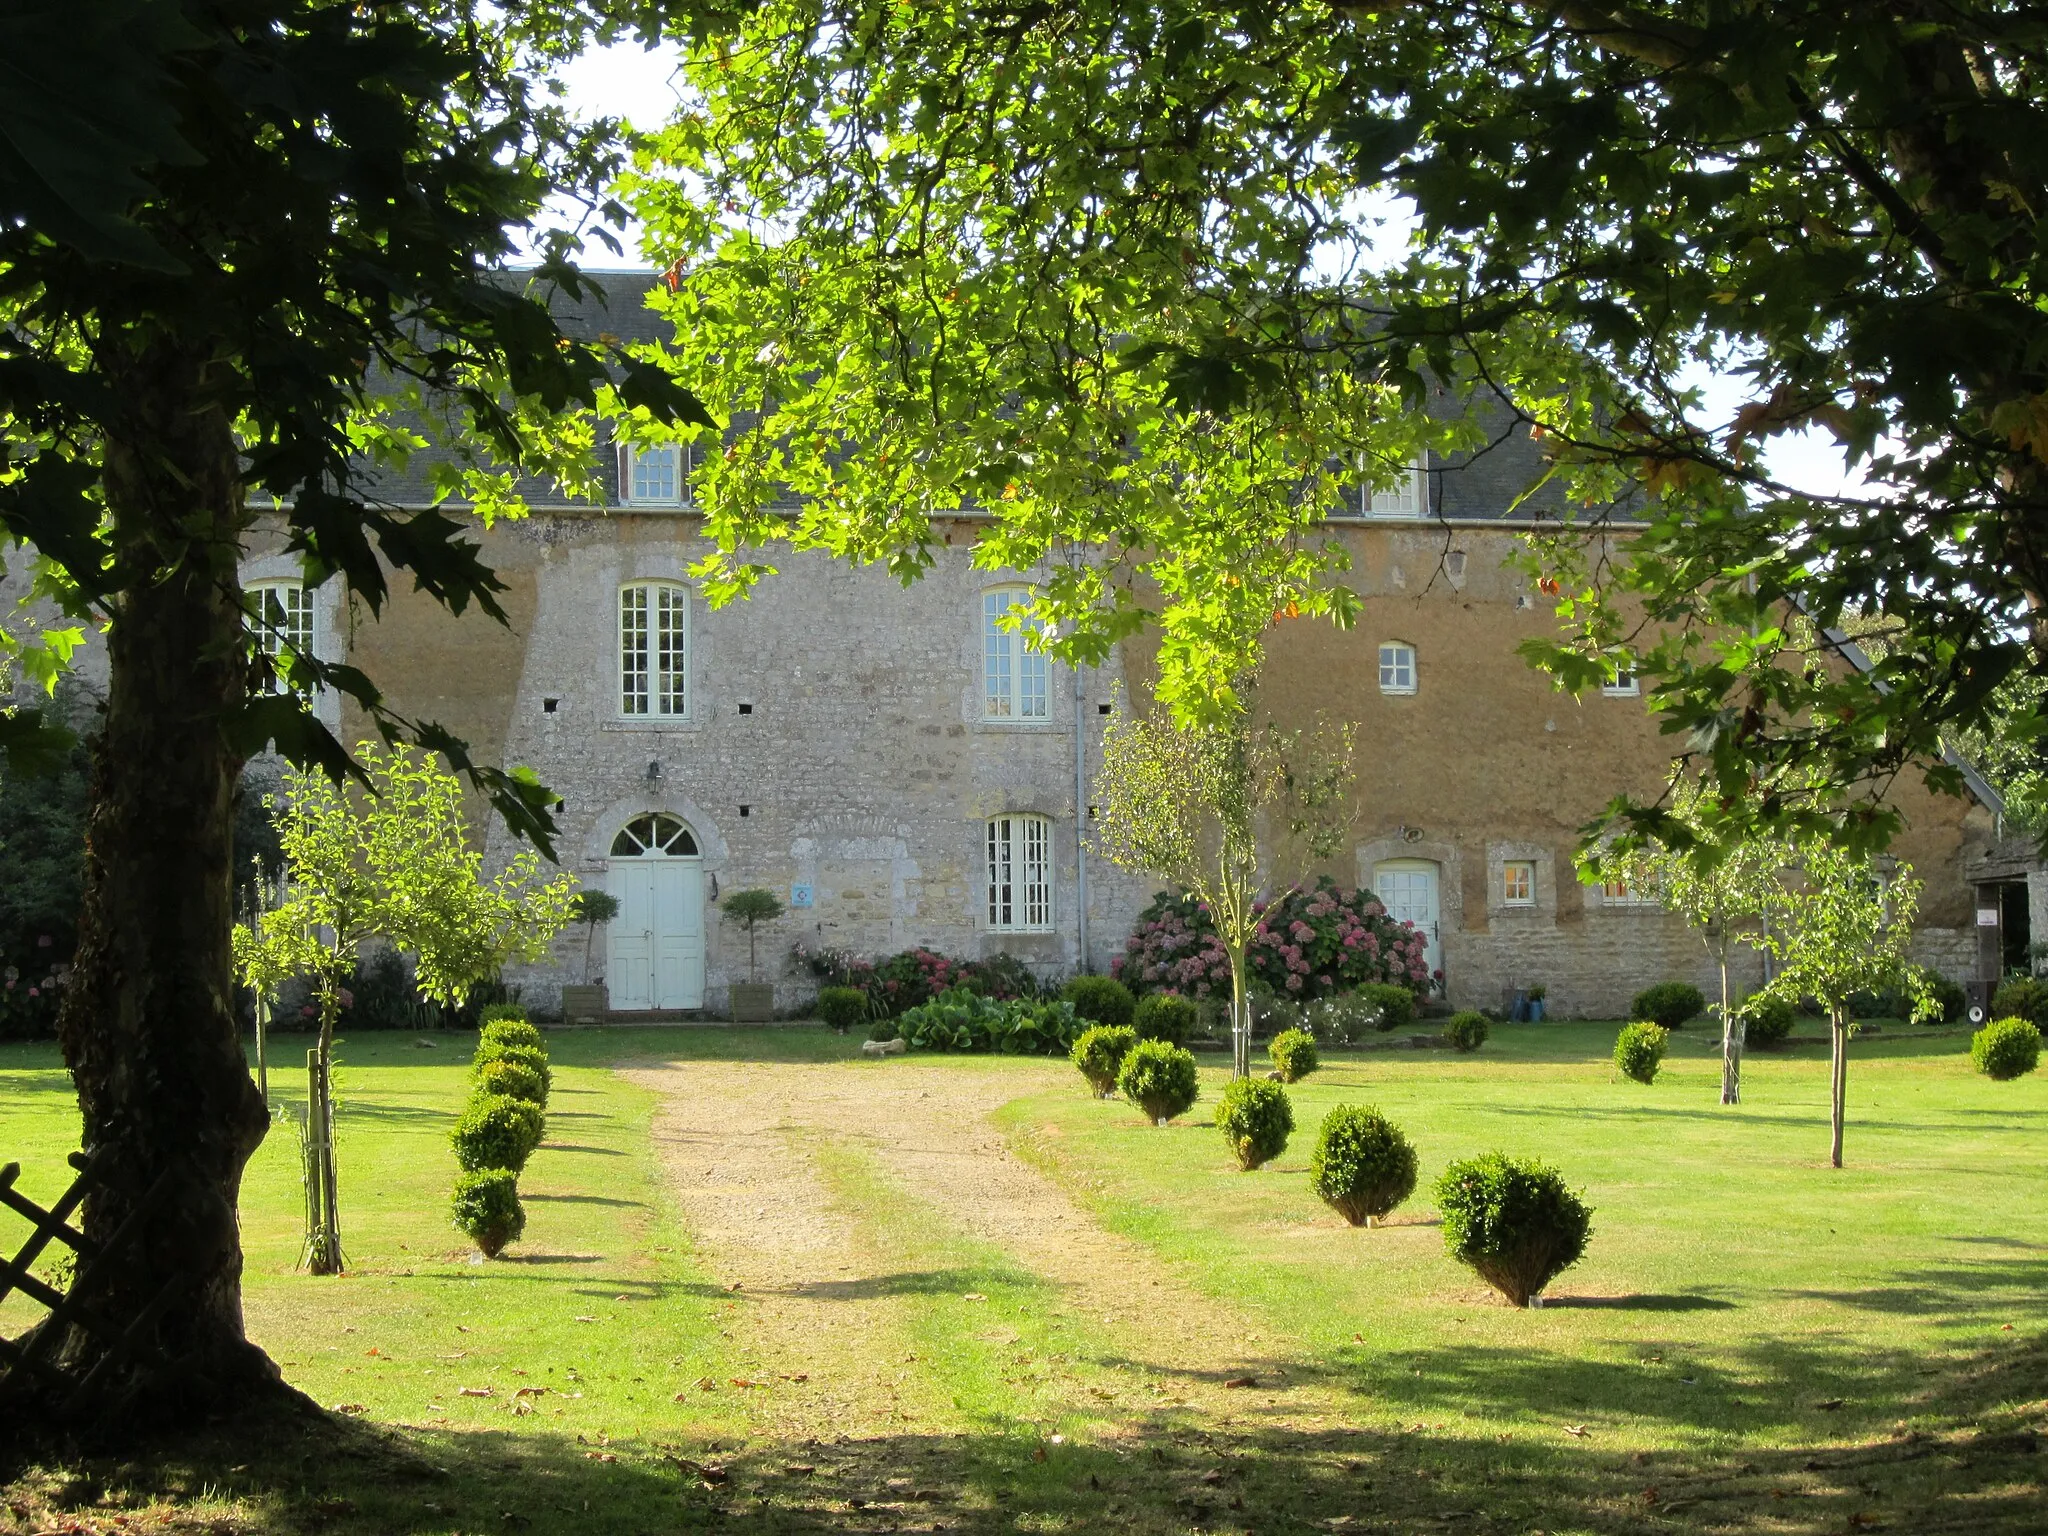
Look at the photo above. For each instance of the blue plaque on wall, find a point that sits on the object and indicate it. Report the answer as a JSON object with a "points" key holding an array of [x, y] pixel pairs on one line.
{"points": [[799, 895]]}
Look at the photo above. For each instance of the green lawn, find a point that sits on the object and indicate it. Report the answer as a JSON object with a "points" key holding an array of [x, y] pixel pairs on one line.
{"points": [[1804, 1345]]}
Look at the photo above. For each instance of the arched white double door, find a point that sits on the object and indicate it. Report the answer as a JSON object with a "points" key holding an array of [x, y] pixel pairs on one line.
{"points": [[656, 943]]}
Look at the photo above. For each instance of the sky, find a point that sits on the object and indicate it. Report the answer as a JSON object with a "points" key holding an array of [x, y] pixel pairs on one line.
{"points": [[635, 83]]}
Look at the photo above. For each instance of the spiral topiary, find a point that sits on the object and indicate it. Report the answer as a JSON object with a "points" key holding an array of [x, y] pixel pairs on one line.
{"points": [[531, 1057], [1294, 1056], [512, 1080], [1164, 1016], [1362, 1166], [1256, 1118], [487, 1209], [1100, 1053], [1160, 1079], [1515, 1223], [512, 1032], [497, 1132], [1639, 1050], [2005, 1049]]}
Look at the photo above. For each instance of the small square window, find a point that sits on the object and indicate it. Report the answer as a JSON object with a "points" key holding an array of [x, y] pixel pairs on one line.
{"points": [[1621, 683], [1397, 667], [1619, 893], [1518, 883], [1408, 496], [653, 477]]}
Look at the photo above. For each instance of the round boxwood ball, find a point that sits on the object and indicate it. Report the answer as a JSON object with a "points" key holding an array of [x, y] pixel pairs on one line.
{"points": [[1669, 1003], [1100, 999], [1294, 1054], [1159, 1079], [1466, 1031], [1362, 1166], [2006, 1048], [487, 1209], [1639, 1050], [1164, 1016], [842, 1007], [533, 1058], [510, 1030], [1395, 1006], [1766, 1019], [497, 1132], [1513, 1222], [1256, 1118], [513, 1080], [1100, 1051]]}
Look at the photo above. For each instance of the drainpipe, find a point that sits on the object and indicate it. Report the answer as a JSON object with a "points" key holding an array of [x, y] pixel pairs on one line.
{"points": [[1080, 825]]}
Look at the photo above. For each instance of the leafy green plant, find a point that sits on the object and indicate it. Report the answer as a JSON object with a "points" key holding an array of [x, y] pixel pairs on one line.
{"points": [[591, 908], [1294, 1054], [487, 1209], [960, 1020], [884, 1030], [509, 1029], [492, 1013], [1514, 1222], [750, 909], [2022, 997], [512, 1080], [1946, 1000], [1669, 1003], [1100, 999], [497, 1132], [1165, 1016], [1639, 1050], [1362, 1166], [1466, 1031], [842, 1007], [2006, 1048], [1394, 1006], [1099, 1053], [1767, 1018], [1256, 1118], [1160, 1079]]}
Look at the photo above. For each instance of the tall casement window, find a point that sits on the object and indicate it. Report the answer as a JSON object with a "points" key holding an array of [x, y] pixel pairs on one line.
{"points": [[1406, 497], [1015, 680], [1397, 667], [283, 618], [654, 650], [653, 477], [1020, 874]]}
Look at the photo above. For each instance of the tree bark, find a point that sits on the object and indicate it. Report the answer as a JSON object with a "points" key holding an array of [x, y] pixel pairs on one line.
{"points": [[148, 1026], [1838, 1081], [1733, 1031], [323, 1254], [1240, 1019]]}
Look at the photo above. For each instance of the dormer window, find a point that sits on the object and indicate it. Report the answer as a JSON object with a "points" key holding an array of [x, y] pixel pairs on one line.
{"points": [[1408, 496], [656, 476]]}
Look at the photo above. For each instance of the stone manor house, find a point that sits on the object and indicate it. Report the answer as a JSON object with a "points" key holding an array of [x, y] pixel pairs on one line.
{"points": [[902, 771]]}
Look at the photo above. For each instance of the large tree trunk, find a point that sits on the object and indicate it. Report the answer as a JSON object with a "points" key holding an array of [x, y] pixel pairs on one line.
{"points": [[1838, 1080], [148, 1025]]}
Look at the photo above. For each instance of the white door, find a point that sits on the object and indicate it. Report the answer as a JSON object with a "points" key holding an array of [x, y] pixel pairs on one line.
{"points": [[655, 946], [1408, 887]]}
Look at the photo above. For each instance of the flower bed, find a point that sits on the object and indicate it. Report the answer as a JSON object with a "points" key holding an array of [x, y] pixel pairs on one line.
{"points": [[912, 977], [960, 1020], [1307, 944]]}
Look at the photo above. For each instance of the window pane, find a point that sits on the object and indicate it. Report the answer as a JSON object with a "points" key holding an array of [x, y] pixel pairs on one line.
{"points": [[1031, 689], [999, 897], [995, 656], [1404, 498], [672, 662], [654, 474], [633, 692], [1518, 883], [284, 623], [1037, 873], [1397, 668]]}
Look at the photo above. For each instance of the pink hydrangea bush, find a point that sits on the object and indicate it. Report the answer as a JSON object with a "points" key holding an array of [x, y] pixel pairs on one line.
{"points": [[1307, 944]]}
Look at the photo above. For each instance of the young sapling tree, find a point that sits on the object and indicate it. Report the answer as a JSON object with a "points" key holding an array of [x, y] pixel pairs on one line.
{"points": [[591, 908], [750, 909]]}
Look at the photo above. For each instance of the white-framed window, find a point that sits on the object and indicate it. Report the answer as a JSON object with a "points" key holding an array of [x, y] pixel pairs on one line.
{"points": [[1408, 496], [656, 476], [1020, 874], [1518, 883], [1621, 682], [1015, 680], [1619, 893], [282, 612], [654, 649], [1397, 667]]}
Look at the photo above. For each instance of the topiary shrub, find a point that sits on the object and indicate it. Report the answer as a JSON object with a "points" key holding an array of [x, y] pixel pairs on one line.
{"points": [[885, 1030], [1159, 1079], [1669, 1003], [487, 1209], [1294, 1054], [1362, 1166], [842, 1007], [509, 1031], [1396, 1005], [1639, 1050], [1466, 1031], [2006, 1048], [493, 1013], [1514, 1222], [1766, 1018], [1164, 1016], [1256, 1118], [511, 1080], [1100, 999], [1100, 1053], [531, 1057], [2023, 997], [497, 1132]]}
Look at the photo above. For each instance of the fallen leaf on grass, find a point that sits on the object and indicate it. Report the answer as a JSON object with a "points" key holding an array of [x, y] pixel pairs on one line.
{"points": [[1576, 1431], [794, 1375], [974, 1296], [1828, 1404], [1242, 1381], [476, 1392], [599, 1456], [747, 1381], [374, 1352], [531, 1392], [350, 1408], [586, 1319]]}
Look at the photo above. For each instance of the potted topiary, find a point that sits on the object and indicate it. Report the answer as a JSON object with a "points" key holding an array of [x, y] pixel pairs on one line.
{"points": [[753, 1002], [588, 1001]]}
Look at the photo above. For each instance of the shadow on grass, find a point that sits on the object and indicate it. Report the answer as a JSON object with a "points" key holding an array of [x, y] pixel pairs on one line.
{"points": [[1641, 1303], [529, 1198], [310, 1475]]}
